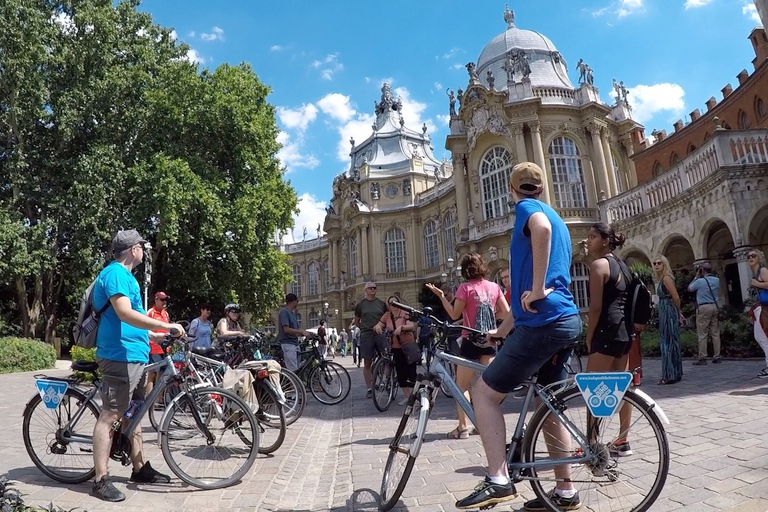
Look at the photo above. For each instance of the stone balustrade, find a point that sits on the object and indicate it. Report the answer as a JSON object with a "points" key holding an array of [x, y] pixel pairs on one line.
{"points": [[724, 148], [307, 245], [555, 95], [434, 192]]}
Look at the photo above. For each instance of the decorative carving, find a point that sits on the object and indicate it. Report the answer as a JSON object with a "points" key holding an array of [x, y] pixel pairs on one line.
{"points": [[517, 130], [473, 79], [484, 120], [493, 253], [534, 126], [547, 130], [375, 191], [388, 101], [330, 210], [509, 68], [520, 62], [585, 73], [556, 57], [407, 186], [391, 190], [451, 102], [490, 78], [460, 95]]}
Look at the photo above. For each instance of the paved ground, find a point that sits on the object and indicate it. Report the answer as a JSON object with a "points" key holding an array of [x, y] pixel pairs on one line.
{"points": [[333, 456]]}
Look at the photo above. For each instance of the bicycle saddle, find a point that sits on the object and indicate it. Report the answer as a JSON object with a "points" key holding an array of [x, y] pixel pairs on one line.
{"points": [[85, 366], [209, 352]]}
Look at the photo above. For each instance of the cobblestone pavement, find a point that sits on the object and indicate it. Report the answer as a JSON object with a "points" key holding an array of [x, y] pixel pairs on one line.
{"points": [[333, 456]]}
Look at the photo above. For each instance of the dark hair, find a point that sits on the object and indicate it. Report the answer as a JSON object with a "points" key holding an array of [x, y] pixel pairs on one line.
{"points": [[322, 322], [473, 266], [204, 305], [606, 233]]}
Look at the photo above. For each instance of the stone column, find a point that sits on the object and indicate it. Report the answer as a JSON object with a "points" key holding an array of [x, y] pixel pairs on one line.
{"points": [[517, 130], [364, 243], [613, 185], [629, 151], [745, 273], [538, 158], [599, 162], [461, 190]]}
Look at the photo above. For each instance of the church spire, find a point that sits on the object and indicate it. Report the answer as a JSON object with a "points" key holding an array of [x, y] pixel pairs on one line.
{"points": [[509, 16]]}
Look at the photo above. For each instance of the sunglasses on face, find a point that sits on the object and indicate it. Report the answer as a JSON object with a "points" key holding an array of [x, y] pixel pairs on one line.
{"points": [[752, 256], [657, 263], [235, 312], [371, 288]]}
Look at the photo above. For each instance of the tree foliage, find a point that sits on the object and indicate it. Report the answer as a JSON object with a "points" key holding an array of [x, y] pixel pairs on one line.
{"points": [[103, 126]]}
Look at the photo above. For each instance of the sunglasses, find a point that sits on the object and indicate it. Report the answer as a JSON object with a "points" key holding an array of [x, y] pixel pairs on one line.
{"points": [[371, 288], [235, 311], [657, 263], [751, 256]]}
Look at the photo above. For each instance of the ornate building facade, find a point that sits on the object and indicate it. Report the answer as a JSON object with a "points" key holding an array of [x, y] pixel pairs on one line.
{"points": [[402, 218]]}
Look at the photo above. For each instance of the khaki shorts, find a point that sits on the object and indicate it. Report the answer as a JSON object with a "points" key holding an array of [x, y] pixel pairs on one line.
{"points": [[121, 382]]}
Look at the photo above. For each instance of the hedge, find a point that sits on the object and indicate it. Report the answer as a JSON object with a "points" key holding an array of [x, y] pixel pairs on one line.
{"points": [[25, 355]]}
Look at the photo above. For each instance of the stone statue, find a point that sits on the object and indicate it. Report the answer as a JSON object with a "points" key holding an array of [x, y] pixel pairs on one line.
{"points": [[617, 89], [590, 77], [472, 72], [582, 67], [490, 78], [520, 62], [330, 210], [387, 99], [406, 187], [509, 67], [451, 102], [375, 191], [460, 96], [623, 91]]}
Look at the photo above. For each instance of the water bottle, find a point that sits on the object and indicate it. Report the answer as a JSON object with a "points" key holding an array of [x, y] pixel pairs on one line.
{"points": [[133, 408]]}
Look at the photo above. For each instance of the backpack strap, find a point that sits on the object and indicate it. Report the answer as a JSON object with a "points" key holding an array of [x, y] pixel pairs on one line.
{"points": [[103, 309], [710, 291]]}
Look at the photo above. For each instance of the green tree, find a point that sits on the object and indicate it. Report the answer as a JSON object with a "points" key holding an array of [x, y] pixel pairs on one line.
{"points": [[103, 126]]}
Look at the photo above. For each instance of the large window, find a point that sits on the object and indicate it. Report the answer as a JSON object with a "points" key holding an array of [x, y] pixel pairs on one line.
{"points": [[580, 285], [353, 258], [296, 284], [431, 245], [314, 319], [394, 250], [494, 174], [449, 234], [567, 174], [759, 108], [312, 271]]}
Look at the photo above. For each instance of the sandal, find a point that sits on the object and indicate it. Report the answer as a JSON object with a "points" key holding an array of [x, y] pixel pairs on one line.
{"points": [[458, 433], [474, 432]]}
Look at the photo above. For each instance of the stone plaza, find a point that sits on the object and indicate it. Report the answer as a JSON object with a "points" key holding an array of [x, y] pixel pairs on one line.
{"points": [[333, 456]]}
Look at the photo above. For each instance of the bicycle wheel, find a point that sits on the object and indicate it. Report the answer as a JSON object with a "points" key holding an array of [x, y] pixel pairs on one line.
{"points": [[451, 369], [50, 448], [271, 418], [574, 366], [382, 377], [404, 448], [616, 479], [295, 395], [329, 383], [155, 412], [222, 459]]}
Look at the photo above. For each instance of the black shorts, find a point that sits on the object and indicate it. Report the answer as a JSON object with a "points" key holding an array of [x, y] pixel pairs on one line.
{"points": [[472, 352], [610, 347]]}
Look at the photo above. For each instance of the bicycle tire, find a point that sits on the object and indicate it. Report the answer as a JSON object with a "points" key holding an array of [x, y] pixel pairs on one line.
{"points": [[87, 471], [271, 418], [407, 442], [606, 480], [170, 391], [382, 383], [295, 395], [228, 417], [329, 383]]}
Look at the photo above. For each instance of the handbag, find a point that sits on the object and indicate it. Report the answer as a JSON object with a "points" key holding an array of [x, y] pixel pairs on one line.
{"points": [[762, 293]]}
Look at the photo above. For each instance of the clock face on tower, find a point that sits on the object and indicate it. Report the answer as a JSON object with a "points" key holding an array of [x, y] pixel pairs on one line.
{"points": [[391, 190]]}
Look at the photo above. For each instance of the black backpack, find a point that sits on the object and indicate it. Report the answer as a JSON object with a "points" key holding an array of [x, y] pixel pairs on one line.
{"points": [[637, 308], [87, 325]]}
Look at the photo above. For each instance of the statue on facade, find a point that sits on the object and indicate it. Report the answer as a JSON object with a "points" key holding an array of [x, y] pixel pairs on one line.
{"points": [[451, 102], [406, 186], [624, 92], [509, 67], [387, 99], [582, 67], [520, 62], [375, 191], [590, 77], [490, 78], [460, 96], [330, 210], [473, 78]]}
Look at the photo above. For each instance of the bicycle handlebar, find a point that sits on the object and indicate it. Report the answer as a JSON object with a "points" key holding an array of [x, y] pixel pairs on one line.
{"points": [[442, 323]]}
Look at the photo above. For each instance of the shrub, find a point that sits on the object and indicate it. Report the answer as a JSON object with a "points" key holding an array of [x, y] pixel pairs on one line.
{"points": [[25, 355], [83, 354]]}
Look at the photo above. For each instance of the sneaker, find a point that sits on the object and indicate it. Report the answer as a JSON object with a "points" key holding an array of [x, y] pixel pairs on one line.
{"points": [[620, 448], [763, 374], [403, 402], [700, 362], [148, 475], [716, 360], [573, 503], [368, 393], [106, 490], [488, 493]]}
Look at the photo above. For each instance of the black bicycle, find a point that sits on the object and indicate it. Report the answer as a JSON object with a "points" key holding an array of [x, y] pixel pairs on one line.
{"points": [[384, 376]]}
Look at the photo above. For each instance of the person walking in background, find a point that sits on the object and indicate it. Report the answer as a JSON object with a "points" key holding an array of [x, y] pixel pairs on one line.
{"points": [[608, 335], [322, 339], [288, 332], [758, 293], [706, 287], [367, 314], [333, 341], [670, 318], [480, 302], [344, 337], [354, 335], [201, 328]]}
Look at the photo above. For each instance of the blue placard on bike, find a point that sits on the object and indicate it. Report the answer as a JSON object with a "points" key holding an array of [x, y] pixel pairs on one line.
{"points": [[603, 391], [51, 391]]}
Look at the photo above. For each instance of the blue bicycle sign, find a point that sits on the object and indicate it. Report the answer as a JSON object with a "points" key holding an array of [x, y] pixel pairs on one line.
{"points": [[51, 391], [603, 391]]}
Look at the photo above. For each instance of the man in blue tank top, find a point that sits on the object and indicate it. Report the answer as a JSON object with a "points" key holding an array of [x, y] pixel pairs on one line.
{"points": [[546, 325]]}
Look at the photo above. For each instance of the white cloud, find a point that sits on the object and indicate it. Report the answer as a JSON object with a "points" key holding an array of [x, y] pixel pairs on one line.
{"points": [[621, 8], [438, 86], [412, 111], [328, 66], [451, 53], [444, 119], [311, 213], [359, 129], [276, 48], [337, 106], [648, 100], [749, 9], [297, 118], [692, 4], [191, 34], [290, 154], [458, 65], [215, 34], [194, 57]]}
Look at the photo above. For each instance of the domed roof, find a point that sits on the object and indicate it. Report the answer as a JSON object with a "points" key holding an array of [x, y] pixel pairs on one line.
{"points": [[548, 68]]}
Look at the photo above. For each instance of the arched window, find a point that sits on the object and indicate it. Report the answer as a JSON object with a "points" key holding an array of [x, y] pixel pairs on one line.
{"points": [[394, 250], [621, 186], [657, 170], [759, 108], [312, 271], [326, 275], [743, 120], [298, 319], [431, 245], [567, 174], [691, 148], [580, 284], [706, 136], [296, 284], [449, 234], [494, 175], [353, 258], [314, 320], [673, 160]]}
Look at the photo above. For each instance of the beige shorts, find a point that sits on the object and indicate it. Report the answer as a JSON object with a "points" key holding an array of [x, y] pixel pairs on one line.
{"points": [[121, 382]]}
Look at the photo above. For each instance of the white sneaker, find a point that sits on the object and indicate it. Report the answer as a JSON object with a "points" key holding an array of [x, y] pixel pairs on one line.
{"points": [[403, 402], [368, 393]]}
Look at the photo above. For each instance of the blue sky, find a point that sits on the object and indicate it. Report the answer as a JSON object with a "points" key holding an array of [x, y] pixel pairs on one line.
{"points": [[325, 61]]}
